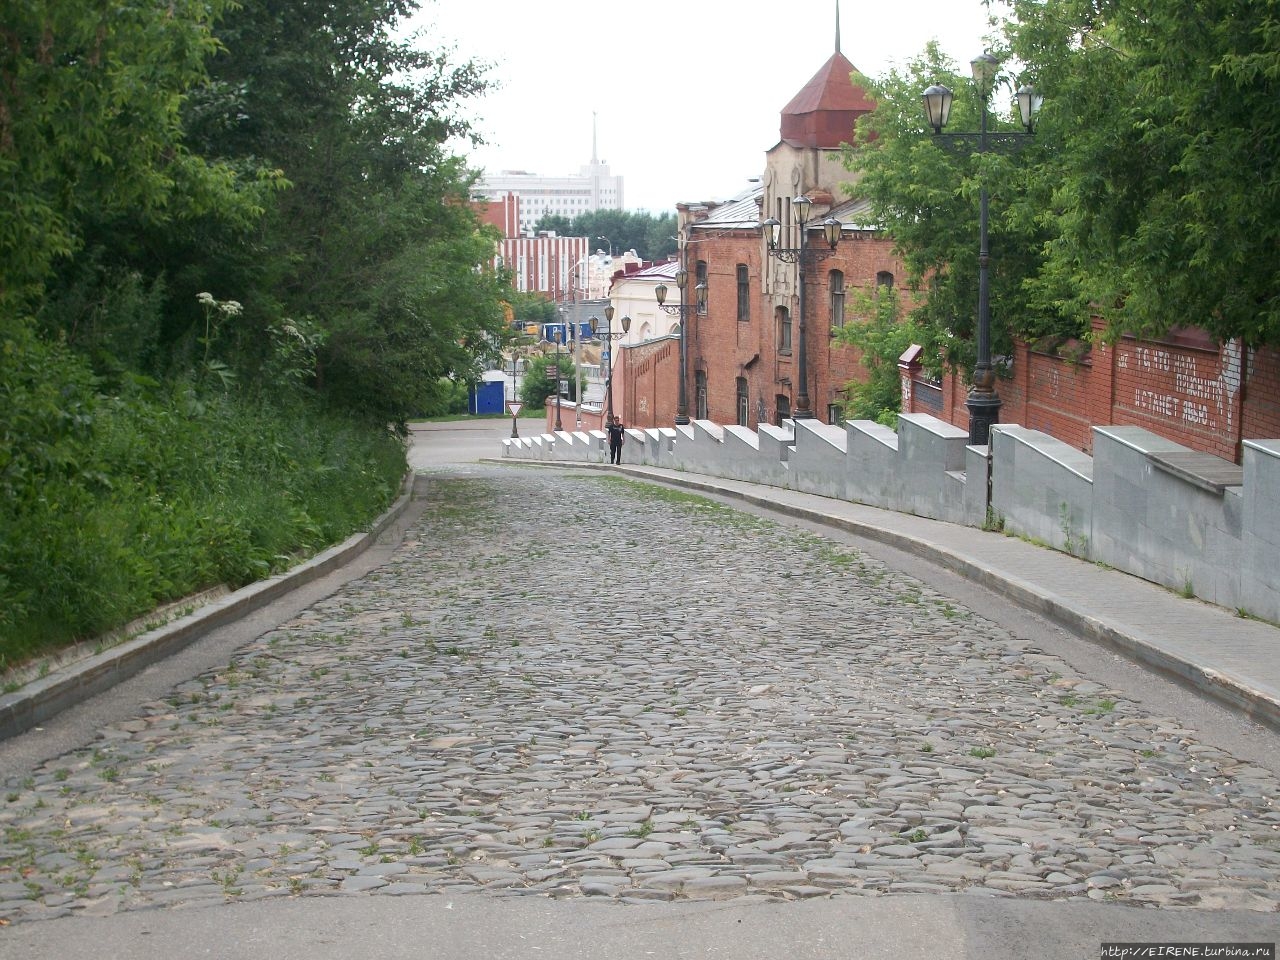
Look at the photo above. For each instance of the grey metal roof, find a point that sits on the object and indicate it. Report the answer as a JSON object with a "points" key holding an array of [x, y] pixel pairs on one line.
{"points": [[855, 214], [658, 271], [743, 212]]}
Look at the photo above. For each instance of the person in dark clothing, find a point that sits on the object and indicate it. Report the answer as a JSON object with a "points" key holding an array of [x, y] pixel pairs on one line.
{"points": [[617, 437]]}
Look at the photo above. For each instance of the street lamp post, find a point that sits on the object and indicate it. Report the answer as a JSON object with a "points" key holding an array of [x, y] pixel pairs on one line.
{"points": [[684, 309], [558, 337], [983, 401], [802, 256], [608, 336]]}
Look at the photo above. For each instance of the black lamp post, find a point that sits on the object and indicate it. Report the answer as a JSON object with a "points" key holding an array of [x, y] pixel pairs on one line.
{"points": [[608, 336], [558, 337], [802, 256], [684, 309], [983, 400]]}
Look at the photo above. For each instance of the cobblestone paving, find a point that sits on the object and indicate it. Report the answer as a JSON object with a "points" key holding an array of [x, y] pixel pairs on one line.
{"points": [[546, 693]]}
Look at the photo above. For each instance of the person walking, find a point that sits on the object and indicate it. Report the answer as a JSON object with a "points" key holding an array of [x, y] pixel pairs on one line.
{"points": [[617, 436]]}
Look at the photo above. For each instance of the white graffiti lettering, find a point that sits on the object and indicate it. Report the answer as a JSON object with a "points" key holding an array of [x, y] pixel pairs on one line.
{"points": [[1150, 359], [1197, 413], [1158, 403]]}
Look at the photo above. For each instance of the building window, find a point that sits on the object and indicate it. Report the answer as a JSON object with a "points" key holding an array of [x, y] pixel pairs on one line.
{"points": [[884, 279], [835, 285], [783, 316], [835, 413], [700, 395], [744, 294], [783, 407], [743, 402], [700, 276]]}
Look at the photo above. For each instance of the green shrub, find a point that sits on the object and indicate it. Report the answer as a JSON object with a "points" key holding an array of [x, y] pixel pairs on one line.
{"points": [[115, 504]]}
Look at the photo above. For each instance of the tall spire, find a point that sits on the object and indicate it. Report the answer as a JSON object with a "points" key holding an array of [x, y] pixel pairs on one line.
{"points": [[837, 26]]}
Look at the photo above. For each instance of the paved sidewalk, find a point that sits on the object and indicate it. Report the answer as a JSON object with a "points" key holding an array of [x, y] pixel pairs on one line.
{"points": [[1233, 659]]}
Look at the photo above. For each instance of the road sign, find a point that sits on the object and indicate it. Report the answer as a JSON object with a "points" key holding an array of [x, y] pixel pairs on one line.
{"points": [[514, 407]]}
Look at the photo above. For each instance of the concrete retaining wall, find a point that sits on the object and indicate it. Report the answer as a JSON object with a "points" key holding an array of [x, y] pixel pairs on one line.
{"points": [[1043, 489], [1126, 506]]}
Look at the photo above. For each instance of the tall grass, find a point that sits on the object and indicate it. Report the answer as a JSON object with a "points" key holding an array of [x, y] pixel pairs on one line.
{"points": [[160, 493]]}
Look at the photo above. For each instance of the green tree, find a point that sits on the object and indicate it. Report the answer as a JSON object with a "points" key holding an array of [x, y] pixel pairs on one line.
{"points": [[374, 244], [651, 237], [533, 308], [925, 191], [91, 130], [538, 388], [1163, 192], [555, 223], [876, 327]]}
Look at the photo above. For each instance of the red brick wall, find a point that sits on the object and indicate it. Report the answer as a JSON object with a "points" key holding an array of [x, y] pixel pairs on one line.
{"points": [[591, 419], [860, 256], [1261, 418], [1204, 395], [1057, 395], [651, 372], [1178, 391]]}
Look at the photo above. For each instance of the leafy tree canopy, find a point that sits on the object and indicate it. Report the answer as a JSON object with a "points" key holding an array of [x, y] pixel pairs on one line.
{"points": [[925, 195], [91, 130], [296, 158], [532, 307], [538, 388], [1161, 186], [617, 231], [1149, 195]]}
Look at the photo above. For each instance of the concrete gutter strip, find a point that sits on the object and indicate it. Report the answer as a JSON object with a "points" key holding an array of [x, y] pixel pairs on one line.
{"points": [[47, 696]]}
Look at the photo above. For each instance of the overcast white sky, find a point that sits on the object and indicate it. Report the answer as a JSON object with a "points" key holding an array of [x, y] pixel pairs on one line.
{"points": [[556, 62]]}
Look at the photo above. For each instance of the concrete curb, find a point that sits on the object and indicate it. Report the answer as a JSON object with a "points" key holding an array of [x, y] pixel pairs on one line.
{"points": [[47, 696], [1232, 691]]}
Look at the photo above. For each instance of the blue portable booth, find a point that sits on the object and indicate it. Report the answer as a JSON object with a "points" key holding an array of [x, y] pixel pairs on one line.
{"points": [[489, 397]]}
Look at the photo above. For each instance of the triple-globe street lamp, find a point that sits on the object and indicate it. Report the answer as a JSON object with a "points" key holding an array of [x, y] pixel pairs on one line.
{"points": [[802, 256], [684, 309], [608, 336], [983, 401]]}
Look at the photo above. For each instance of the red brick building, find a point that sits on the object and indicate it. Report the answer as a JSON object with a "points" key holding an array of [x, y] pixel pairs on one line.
{"points": [[743, 362], [743, 350], [554, 266]]}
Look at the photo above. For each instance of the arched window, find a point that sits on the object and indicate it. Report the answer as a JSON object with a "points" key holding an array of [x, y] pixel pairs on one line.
{"points": [[783, 320], [700, 394], [700, 276], [884, 279], [744, 294], [835, 288]]}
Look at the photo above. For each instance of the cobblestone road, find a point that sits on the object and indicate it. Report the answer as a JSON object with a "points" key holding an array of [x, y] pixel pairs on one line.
{"points": [[546, 692]]}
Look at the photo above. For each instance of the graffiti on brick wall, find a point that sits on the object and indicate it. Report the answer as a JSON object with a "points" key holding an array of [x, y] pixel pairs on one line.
{"points": [[1184, 386]]}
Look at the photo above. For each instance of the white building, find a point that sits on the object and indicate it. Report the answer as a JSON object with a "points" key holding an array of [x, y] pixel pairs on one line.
{"points": [[594, 188]]}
